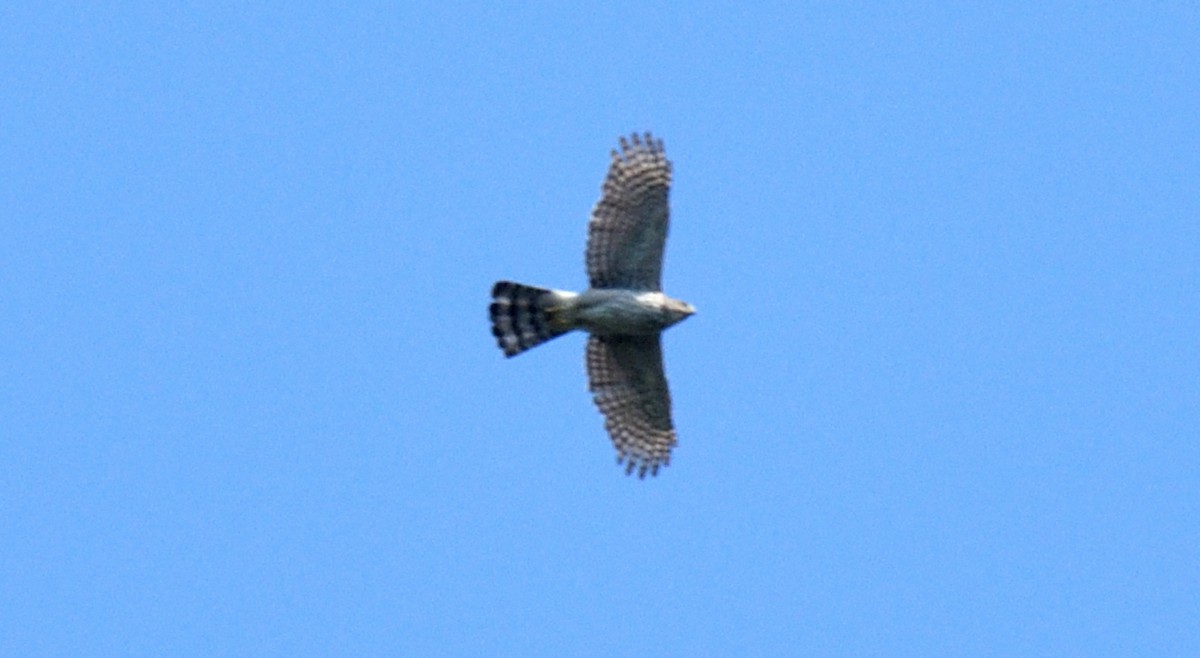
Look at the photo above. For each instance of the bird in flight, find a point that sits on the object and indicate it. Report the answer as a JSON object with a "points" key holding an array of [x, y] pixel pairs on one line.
{"points": [[624, 309]]}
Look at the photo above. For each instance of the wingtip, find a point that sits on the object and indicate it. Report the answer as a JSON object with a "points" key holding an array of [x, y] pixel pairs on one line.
{"points": [[642, 467]]}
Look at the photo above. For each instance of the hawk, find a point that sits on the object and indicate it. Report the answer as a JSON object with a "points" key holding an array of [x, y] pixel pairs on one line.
{"points": [[623, 310]]}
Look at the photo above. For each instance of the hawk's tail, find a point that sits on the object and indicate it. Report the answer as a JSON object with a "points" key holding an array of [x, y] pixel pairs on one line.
{"points": [[522, 316]]}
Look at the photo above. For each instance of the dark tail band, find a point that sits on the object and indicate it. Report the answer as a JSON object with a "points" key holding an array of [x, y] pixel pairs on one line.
{"points": [[519, 319]]}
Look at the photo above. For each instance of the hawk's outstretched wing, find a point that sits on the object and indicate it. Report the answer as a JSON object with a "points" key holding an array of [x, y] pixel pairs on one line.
{"points": [[628, 229], [625, 374]]}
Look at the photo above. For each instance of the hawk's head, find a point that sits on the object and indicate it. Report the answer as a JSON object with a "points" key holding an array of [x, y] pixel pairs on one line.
{"points": [[677, 310]]}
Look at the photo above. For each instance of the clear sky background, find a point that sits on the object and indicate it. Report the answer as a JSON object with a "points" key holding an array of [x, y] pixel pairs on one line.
{"points": [[941, 398]]}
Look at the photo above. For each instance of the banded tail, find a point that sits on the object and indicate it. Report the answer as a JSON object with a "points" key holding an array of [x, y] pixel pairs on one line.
{"points": [[522, 316]]}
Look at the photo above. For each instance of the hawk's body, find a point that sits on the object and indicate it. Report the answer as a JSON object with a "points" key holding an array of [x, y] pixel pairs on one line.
{"points": [[624, 310]]}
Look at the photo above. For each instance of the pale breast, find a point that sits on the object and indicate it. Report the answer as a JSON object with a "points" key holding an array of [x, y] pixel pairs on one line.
{"points": [[621, 312]]}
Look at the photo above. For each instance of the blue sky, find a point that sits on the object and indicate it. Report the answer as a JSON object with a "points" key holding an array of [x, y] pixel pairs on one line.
{"points": [[941, 397]]}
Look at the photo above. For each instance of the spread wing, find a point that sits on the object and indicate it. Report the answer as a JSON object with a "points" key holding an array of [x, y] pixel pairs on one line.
{"points": [[625, 374], [628, 229]]}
